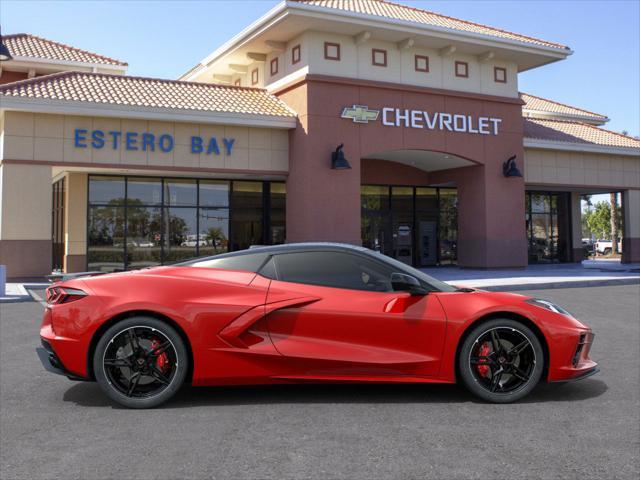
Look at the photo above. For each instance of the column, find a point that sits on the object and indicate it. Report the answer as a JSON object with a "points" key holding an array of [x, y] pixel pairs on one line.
{"points": [[491, 219], [75, 223], [577, 250], [631, 239], [25, 220]]}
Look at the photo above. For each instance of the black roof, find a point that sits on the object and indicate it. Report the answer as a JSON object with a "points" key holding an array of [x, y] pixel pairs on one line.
{"points": [[283, 248]]}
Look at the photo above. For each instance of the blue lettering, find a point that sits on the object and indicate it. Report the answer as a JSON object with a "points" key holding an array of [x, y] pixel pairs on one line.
{"points": [[115, 136], [165, 143], [80, 137], [196, 144], [228, 144], [131, 141], [147, 141], [213, 146], [98, 139]]}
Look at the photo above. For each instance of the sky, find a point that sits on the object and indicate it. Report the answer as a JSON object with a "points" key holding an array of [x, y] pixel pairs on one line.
{"points": [[166, 38]]}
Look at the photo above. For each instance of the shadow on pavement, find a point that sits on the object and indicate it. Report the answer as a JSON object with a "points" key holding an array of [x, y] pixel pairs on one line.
{"points": [[89, 394]]}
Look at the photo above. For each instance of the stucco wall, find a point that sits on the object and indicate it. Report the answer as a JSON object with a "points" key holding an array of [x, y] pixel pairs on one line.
{"points": [[356, 62], [551, 167], [50, 138]]}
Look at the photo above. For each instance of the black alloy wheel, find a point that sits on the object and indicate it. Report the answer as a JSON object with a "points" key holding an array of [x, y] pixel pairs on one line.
{"points": [[501, 361], [140, 362]]}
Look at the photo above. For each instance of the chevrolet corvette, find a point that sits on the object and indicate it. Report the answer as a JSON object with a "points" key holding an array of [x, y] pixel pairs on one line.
{"points": [[308, 312]]}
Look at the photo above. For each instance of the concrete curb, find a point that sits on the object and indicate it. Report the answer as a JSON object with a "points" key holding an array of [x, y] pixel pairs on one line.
{"points": [[554, 285]]}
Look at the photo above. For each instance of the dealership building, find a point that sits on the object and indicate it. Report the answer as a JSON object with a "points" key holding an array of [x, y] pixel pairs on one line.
{"points": [[364, 122]]}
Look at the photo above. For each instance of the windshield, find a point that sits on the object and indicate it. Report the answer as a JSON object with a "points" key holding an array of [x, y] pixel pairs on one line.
{"points": [[433, 283]]}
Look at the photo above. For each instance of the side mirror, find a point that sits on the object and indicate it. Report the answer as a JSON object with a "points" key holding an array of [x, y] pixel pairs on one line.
{"points": [[401, 282]]}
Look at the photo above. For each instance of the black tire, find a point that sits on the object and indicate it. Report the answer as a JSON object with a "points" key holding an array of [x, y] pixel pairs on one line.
{"points": [[159, 385], [507, 367], [607, 251]]}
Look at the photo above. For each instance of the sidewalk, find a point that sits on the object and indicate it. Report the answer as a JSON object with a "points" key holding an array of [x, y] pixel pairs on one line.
{"points": [[19, 292], [538, 276]]}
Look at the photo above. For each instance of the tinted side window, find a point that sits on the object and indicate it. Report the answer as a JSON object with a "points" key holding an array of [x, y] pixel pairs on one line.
{"points": [[246, 262], [334, 269], [268, 270]]}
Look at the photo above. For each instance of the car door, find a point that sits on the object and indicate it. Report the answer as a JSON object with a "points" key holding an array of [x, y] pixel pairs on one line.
{"points": [[349, 322]]}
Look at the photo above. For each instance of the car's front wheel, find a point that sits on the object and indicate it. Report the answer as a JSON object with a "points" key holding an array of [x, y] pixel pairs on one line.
{"points": [[501, 361], [140, 362]]}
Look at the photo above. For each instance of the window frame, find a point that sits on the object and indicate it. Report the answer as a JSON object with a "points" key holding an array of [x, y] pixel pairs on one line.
{"points": [[375, 51], [495, 74], [465, 65], [326, 51], [274, 71], [296, 55], [255, 76], [418, 58]]}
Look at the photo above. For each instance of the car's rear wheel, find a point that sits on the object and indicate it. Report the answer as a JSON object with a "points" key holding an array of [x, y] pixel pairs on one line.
{"points": [[501, 361], [140, 362]]}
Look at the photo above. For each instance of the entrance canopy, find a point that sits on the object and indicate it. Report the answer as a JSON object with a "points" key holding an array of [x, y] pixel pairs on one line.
{"points": [[426, 160]]}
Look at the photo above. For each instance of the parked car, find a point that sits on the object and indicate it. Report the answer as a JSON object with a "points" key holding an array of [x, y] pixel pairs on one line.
{"points": [[605, 247], [192, 240], [303, 313], [588, 246]]}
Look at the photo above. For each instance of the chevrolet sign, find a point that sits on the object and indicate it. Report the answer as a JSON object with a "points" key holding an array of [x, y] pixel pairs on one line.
{"points": [[360, 114], [420, 119]]}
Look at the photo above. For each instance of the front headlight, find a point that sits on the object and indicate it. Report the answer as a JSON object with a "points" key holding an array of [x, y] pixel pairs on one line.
{"points": [[546, 304]]}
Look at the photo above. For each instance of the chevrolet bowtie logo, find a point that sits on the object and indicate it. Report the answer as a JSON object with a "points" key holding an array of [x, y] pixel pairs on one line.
{"points": [[360, 114]]}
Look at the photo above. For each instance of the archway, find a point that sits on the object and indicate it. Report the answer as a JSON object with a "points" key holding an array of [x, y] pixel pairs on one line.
{"points": [[409, 205]]}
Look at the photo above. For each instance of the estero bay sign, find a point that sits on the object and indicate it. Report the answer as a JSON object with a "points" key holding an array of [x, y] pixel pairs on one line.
{"points": [[403, 117], [146, 141]]}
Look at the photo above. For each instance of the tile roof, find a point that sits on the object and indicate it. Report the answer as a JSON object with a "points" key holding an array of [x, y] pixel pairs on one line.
{"points": [[544, 105], [576, 132], [395, 11], [148, 92], [31, 46]]}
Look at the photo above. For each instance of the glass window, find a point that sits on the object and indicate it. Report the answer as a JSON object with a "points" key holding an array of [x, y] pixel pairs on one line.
{"points": [[426, 199], [268, 270], [246, 215], [180, 193], [402, 224], [334, 269], [214, 193], [250, 262], [448, 226], [214, 230], [106, 190], [144, 237], [105, 249], [180, 234], [178, 218], [374, 197], [144, 191], [539, 203]]}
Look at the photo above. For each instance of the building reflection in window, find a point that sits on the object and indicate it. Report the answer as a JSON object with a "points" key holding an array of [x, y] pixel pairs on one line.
{"points": [[136, 222]]}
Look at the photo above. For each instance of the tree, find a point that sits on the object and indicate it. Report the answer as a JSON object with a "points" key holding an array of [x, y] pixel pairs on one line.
{"points": [[598, 220]]}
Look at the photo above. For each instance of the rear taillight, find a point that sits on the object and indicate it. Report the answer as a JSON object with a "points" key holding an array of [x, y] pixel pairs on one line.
{"points": [[58, 295]]}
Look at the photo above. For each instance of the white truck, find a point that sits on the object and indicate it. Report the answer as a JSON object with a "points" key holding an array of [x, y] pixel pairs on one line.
{"points": [[605, 247]]}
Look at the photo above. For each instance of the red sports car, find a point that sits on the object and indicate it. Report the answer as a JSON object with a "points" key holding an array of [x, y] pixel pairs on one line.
{"points": [[303, 313]]}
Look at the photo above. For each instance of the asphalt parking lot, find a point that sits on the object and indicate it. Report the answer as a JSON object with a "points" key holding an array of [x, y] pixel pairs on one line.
{"points": [[53, 428]]}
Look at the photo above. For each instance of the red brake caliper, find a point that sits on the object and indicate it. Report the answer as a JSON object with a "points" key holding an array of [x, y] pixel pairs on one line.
{"points": [[162, 362], [483, 351]]}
